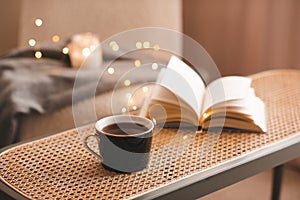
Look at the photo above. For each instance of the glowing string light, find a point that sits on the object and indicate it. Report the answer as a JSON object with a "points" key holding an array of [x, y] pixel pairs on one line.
{"points": [[127, 82], [38, 22], [111, 70], [146, 44], [112, 43], [137, 63], [156, 47], [145, 89], [154, 66], [32, 42], [38, 54], [138, 45], [115, 47], [123, 109], [86, 52], [55, 38], [65, 50]]}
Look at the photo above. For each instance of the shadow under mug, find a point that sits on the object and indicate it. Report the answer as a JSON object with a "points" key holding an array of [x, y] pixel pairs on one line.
{"points": [[127, 151]]}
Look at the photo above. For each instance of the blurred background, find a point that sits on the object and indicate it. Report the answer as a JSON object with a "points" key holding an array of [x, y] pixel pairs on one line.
{"points": [[242, 36]]}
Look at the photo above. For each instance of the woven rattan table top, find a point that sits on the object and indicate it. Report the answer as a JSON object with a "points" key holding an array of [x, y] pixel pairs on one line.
{"points": [[59, 167]]}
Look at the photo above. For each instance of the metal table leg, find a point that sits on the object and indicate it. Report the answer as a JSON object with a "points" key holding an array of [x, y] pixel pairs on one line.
{"points": [[277, 180]]}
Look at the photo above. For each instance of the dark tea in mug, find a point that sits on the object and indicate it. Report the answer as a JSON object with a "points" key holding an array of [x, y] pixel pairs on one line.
{"points": [[125, 142], [125, 128]]}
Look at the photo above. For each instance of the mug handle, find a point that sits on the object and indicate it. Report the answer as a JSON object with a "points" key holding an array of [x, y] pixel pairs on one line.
{"points": [[87, 146]]}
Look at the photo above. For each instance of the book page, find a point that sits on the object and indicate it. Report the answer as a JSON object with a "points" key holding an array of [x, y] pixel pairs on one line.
{"points": [[184, 82], [251, 108], [225, 89], [233, 96]]}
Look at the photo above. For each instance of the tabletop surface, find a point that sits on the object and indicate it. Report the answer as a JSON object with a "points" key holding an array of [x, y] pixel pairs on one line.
{"points": [[59, 166]]}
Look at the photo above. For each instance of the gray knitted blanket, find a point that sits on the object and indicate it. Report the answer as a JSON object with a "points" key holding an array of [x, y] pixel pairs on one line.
{"points": [[30, 85], [43, 85]]}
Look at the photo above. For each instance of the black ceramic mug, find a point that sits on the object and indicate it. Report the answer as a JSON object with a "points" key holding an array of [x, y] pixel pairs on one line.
{"points": [[124, 142]]}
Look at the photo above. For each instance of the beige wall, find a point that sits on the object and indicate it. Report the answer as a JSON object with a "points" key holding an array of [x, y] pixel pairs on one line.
{"points": [[104, 17], [246, 36], [242, 36], [9, 24]]}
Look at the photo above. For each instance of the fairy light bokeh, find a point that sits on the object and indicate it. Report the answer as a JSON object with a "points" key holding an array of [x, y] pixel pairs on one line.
{"points": [[55, 38], [38, 22], [32, 42], [135, 79], [65, 50], [38, 54]]}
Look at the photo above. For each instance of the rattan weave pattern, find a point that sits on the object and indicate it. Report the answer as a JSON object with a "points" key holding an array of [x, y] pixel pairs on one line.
{"points": [[59, 167]]}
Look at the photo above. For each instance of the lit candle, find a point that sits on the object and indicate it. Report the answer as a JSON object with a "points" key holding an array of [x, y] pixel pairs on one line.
{"points": [[83, 48]]}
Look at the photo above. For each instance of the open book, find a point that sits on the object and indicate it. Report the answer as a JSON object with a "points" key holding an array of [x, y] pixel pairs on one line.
{"points": [[227, 102]]}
